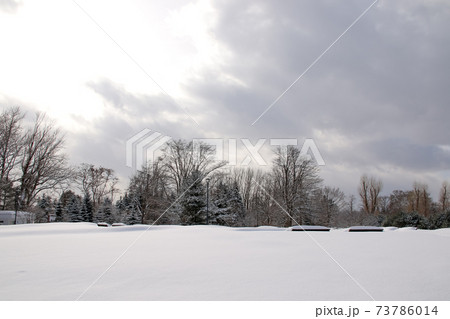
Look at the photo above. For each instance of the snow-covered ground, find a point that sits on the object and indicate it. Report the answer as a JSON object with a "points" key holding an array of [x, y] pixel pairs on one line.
{"points": [[63, 261]]}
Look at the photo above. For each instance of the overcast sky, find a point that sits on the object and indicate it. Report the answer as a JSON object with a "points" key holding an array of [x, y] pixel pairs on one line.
{"points": [[376, 102]]}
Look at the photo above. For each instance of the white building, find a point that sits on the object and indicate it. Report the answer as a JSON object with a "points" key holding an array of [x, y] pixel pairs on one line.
{"points": [[7, 217]]}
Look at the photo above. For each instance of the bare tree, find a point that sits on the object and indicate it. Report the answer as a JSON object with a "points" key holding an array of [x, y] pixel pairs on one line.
{"points": [[244, 178], [294, 179], [398, 202], [351, 216], [383, 204], [43, 163], [149, 192], [256, 189], [329, 203], [364, 193], [416, 196], [426, 202], [369, 192], [351, 204], [97, 182], [11, 143], [421, 200], [182, 158], [444, 197], [263, 209]]}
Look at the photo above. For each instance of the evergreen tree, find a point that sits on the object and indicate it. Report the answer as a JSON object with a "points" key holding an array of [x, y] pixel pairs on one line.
{"points": [[66, 197], [83, 213], [132, 215], [441, 220], [413, 219], [228, 207], [74, 210], [120, 204], [105, 213], [7, 194], [45, 204], [193, 202], [124, 209], [87, 213], [134, 210], [59, 212], [120, 210], [108, 211], [126, 200]]}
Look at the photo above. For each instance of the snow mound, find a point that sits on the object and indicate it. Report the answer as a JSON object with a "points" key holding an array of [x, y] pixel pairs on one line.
{"points": [[365, 229], [259, 228], [407, 228], [309, 228]]}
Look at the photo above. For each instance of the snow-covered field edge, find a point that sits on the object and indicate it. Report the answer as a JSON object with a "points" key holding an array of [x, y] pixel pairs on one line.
{"points": [[64, 261]]}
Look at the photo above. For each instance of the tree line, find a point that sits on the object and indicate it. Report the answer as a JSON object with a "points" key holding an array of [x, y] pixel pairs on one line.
{"points": [[186, 186]]}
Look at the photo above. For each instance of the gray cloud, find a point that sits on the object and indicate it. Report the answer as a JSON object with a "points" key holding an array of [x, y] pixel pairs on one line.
{"points": [[103, 140], [372, 73], [132, 105], [377, 99], [382, 88], [158, 112]]}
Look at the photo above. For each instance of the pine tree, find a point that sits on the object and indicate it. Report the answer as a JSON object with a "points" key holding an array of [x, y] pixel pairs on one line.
{"points": [[237, 206], [59, 212], [120, 210], [73, 210], [7, 194], [83, 212], [105, 213], [228, 207], [45, 204], [193, 202], [87, 209], [120, 204], [124, 208], [133, 215]]}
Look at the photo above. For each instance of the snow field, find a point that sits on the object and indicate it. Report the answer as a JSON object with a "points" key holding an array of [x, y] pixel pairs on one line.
{"points": [[60, 261]]}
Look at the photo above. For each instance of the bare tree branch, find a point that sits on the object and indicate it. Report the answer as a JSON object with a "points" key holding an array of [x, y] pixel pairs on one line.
{"points": [[43, 165]]}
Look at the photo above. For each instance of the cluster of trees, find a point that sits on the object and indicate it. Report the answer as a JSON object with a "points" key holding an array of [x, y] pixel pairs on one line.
{"points": [[402, 208], [31, 159], [186, 186]]}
